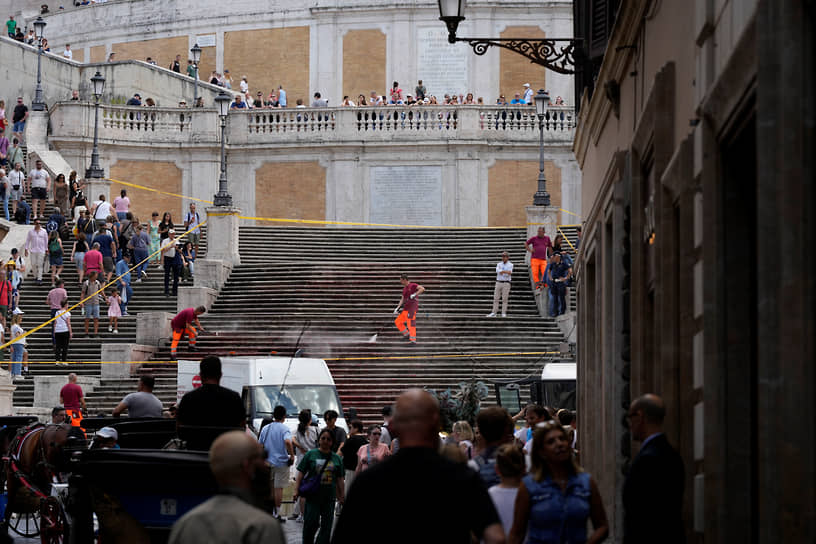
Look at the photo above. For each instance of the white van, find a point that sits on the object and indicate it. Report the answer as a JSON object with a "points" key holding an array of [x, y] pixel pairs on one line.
{"points": [[260, 382]]}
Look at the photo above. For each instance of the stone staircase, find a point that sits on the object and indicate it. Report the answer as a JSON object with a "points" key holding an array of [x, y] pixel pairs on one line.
{"points": [[84, 352], [342, 284]]}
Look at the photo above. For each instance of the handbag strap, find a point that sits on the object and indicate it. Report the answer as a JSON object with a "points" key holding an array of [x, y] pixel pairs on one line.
{"points": [[325, 464]]}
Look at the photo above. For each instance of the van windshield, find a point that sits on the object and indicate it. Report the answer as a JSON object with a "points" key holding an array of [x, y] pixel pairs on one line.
{"points": [[317, 398]]}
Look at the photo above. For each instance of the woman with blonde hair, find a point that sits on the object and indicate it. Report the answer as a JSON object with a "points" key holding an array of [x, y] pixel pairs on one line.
{"points": [[462, 434], [557, 497]]}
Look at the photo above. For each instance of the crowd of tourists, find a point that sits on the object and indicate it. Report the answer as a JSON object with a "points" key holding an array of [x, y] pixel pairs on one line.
{"points": [[102, 240], [488, 482]]}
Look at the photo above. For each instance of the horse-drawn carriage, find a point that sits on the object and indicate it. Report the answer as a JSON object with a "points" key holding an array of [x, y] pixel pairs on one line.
{"points": [[62, 489]]}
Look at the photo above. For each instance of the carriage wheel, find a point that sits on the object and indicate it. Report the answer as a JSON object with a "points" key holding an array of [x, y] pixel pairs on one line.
{"points": [[25, 524], [54, 529]]}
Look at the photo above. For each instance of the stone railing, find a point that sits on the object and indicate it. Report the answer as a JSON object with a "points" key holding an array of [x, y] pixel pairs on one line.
{"points": [[131, 119], [307, 126]]}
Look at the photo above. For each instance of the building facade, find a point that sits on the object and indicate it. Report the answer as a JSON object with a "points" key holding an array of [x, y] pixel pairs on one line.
{"points": [[696, 267]]}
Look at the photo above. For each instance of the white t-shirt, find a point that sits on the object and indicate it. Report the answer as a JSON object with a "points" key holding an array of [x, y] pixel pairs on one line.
{"points": [[103, 209], [170, 246], [16, 178], [244, 86], [61, 324], [503, 267], [38, 178], [504, 499], [68, 54], [17, 330]]}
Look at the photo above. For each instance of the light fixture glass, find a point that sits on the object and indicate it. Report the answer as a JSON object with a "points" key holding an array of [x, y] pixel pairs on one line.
{"points": [[98, 81], [451, 8], [223, 99], [39, 27], [196, 51], [542, 100]]}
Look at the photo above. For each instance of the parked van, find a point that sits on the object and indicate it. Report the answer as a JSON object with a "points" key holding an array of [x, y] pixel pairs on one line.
{"points": [[295, 383]]}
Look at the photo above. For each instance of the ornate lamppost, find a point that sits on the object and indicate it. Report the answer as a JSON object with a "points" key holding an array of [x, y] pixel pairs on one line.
{"points": [[39, 28], [196, 52], [95, 171], [557, 54], [541, 197], [223, 198]]}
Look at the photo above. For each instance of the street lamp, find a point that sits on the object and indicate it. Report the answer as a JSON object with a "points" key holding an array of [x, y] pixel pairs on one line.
{"points": [[196, 51], [542, 100], [223, 198], [95, 171], [39, 104], [549, 53]]}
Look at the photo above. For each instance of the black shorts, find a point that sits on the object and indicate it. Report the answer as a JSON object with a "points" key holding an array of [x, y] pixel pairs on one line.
{"points": [[39, 193], [107, 264]]}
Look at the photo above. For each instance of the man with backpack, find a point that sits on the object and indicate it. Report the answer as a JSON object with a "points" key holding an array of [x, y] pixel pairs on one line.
{"points": [[191, 223]]}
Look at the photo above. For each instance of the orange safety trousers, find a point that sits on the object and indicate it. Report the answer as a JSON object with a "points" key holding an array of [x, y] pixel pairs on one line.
{"points": [[191, 338], [76, 417], [539, 266], [406, 323]]}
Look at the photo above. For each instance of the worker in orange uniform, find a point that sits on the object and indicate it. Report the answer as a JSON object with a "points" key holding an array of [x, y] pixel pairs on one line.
{"points": [[406, 321], [183, 324], [540, 246]]}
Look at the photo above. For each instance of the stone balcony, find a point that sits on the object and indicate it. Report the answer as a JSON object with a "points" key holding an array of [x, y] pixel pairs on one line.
{"points": [[306, 126]]}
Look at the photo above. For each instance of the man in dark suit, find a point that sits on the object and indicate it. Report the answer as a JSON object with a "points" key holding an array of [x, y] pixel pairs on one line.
{"points": [[653, 491]]}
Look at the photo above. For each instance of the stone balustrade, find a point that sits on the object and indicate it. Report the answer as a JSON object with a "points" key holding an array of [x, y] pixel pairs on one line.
{"points": [[153, 125]]}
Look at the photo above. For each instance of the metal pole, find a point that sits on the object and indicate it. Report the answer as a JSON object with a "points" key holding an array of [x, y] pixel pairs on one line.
{"points": [[223, 198], [195, 86], [541, 197], [95, 171], [38, 104]]}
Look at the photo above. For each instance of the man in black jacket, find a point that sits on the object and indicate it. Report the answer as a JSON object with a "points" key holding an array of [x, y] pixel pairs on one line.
{"points": [[653, 491]]}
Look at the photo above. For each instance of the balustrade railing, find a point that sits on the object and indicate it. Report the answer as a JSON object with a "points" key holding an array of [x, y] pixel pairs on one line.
{"points": [[512, 124], [144, 119]]}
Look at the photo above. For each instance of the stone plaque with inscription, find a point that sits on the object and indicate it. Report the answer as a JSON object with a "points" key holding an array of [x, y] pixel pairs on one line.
{"points": [[442, 66], [406, 195]]}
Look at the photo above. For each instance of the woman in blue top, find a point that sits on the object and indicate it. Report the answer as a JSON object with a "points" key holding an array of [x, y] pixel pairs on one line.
{"points": [[556, 498]]}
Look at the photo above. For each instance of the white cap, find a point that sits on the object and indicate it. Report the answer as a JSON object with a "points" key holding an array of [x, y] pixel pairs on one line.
{"points": [[18, 311], [107, 432], [526, 85]]}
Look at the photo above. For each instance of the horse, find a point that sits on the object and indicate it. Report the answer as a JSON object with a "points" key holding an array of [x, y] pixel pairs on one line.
{"points": [[36, 458]]}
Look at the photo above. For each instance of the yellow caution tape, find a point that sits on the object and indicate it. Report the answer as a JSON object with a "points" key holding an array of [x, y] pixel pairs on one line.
{"points": [[567, 239], [142, 187], [375, 358]]}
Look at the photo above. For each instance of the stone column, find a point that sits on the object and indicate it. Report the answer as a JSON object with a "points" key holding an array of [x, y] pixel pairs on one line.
{"points": [[6, 391], [95, 187], [222, 234]]}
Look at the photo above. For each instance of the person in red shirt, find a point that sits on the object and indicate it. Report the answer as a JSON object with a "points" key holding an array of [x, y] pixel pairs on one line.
{"points": [[540, 246], [183, 323], [406, 321], [72, 398]]}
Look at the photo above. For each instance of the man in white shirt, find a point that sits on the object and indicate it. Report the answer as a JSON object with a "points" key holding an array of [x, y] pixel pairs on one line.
{"points": [[504, 271], [102, 209], [528, 94], [68, 54], [35, 247], [40, 184]]}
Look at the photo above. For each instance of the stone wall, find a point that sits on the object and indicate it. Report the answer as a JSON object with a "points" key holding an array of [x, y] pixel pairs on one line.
{"points": [[364, 63], [302, 42], [270, 57], [292, 190], [161, 175], [511, 185]]}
